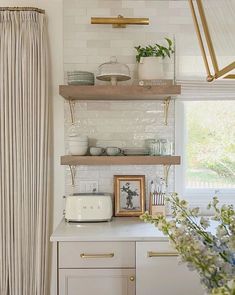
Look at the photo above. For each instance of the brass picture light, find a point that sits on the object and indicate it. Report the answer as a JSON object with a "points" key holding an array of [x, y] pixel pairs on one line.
{"points": [[119, 22]]}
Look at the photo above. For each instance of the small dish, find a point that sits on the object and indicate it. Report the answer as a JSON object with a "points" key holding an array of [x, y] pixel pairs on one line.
{"points": [[113, 151], [96, 151]]}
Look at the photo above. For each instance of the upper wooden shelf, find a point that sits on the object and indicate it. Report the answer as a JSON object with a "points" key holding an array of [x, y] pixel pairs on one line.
{"points": [[108, 92], [120, 160]]}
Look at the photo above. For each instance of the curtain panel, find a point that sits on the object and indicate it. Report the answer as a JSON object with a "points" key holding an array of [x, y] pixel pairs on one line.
{"points": [[24, 153]]}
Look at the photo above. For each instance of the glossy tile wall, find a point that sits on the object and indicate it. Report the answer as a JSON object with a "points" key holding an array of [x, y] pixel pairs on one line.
{"points": [[122, 124]]}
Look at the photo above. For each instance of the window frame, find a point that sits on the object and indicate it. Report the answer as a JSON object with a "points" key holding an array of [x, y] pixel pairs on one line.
{"points": [[198, 196]]}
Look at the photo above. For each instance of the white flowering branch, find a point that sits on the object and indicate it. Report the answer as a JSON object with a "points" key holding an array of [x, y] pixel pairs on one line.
{"points": [[212, 256]]}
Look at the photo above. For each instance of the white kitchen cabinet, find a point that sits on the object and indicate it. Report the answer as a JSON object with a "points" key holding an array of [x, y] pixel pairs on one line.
{"points": [[97, 281], [113, 258], [101, 268], [158, 271]]}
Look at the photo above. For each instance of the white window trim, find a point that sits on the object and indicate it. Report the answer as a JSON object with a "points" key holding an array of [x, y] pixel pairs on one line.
{"points": [[221, 91]]}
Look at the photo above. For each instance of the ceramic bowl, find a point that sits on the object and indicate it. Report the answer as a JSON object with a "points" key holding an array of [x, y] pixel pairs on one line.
{"points": [[79, 138], [96, 151], [113, 151], [78, 150], [78, 143]]}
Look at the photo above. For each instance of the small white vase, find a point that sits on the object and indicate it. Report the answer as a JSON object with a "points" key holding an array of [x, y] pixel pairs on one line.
{"points": [[150, 68]]}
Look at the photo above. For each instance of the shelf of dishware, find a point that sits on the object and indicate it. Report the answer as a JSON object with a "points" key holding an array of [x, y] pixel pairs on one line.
{"points": [[119, 160], [127, 92]]}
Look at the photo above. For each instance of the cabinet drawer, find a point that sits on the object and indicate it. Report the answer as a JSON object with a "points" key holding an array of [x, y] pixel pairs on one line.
{"points": [[158, 268], [96, 254]]}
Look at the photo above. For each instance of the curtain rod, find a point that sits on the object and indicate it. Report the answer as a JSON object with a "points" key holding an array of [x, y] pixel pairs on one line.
{"points": [[22, 9]]}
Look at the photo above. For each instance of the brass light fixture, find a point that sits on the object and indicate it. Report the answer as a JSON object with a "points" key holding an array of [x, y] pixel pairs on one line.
{"points": [[201, 20], [119, 22]]}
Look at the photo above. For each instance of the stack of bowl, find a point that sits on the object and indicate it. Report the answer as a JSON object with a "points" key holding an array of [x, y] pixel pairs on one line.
{"points": [[80, 78], [78, 145]]}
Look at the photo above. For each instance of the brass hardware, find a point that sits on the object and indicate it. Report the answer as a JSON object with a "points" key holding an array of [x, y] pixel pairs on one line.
{"points": [[217, 72], [73, 174], [22, 9], [166, 109], [166, 173], [72, 110], [108, 255], [151, 254], [207, 36], [119, 22], [132, 279], [230, 76], [200, 40], [225, 70]]}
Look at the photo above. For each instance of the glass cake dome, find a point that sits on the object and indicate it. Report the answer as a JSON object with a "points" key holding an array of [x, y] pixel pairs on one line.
{"points": [[113, 71]]}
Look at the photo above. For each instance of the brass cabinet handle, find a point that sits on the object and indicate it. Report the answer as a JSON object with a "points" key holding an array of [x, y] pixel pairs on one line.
{"points": [[162, 254], [108, 255], [132, 279]]}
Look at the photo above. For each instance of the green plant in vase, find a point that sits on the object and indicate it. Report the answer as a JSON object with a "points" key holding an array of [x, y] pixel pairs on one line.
{"points": [[156, 50], [150, 58]]}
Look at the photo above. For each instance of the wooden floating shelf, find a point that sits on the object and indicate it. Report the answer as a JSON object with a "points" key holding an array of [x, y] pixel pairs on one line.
{"points": [[108, 92], [120, 160]]}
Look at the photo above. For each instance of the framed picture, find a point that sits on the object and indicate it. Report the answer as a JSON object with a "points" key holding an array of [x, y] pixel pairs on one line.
{"points": [[129, 191]]}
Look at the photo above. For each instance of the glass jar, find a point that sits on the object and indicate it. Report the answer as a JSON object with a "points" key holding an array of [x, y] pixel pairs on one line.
{"points": [[154, 147], [166, 147]]}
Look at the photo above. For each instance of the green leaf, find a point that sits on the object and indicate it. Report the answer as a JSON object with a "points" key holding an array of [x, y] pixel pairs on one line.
{"points": [[154, 50]]}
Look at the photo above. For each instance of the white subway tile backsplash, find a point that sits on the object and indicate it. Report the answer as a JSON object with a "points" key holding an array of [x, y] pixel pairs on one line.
{"points": [[110, 4], [86, 3], [130, 4], [98, 44], [100, 12], [122, 124], [126, 12]]}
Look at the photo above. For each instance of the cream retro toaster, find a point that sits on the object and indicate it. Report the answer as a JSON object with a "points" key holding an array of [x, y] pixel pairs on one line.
{"points": [[85, 207]]}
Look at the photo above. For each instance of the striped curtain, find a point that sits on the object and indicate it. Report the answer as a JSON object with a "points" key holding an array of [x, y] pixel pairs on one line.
{"points": [[24, 153]]}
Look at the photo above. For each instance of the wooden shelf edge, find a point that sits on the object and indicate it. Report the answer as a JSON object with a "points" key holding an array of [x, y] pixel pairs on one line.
{"points": [[119, 160], [125, 92]]}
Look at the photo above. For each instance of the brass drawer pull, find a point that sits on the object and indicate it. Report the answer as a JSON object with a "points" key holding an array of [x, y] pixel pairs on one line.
{"points": [[109, 255], [162, 254]]}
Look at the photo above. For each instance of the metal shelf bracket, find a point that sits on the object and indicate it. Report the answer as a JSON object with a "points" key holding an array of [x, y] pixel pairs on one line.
{"points": [[73, 174], [166, 105], [166, 173], [72, 110]]}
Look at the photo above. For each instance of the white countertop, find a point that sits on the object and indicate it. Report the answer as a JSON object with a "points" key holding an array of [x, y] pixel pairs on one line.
{"points": [[119, 229]]}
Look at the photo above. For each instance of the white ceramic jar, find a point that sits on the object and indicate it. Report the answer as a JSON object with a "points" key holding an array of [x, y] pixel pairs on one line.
{"points": [[150, 68]]}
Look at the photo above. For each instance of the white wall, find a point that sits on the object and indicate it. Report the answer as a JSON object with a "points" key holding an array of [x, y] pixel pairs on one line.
{"points": [[54, 11]]}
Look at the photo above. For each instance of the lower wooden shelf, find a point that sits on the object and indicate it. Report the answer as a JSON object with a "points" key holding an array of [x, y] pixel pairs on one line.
{"points": [[120, 160]]}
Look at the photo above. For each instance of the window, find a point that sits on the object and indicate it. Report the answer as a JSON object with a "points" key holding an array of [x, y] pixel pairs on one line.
{"points": [[205, 138]]}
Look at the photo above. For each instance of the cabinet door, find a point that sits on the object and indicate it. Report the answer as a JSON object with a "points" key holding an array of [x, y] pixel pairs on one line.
{"points": [[97, 281], [158, 271]]}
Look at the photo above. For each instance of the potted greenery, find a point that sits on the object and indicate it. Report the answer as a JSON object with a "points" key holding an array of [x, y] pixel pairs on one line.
{"points": [[150, 60]]}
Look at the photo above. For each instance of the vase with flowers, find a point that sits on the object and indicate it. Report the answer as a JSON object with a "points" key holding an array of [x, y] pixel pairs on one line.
{"points": [[212, 255]]}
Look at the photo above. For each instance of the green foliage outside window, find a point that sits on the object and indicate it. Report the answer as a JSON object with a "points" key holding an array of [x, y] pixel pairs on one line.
{"points": [[211, 143]]}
